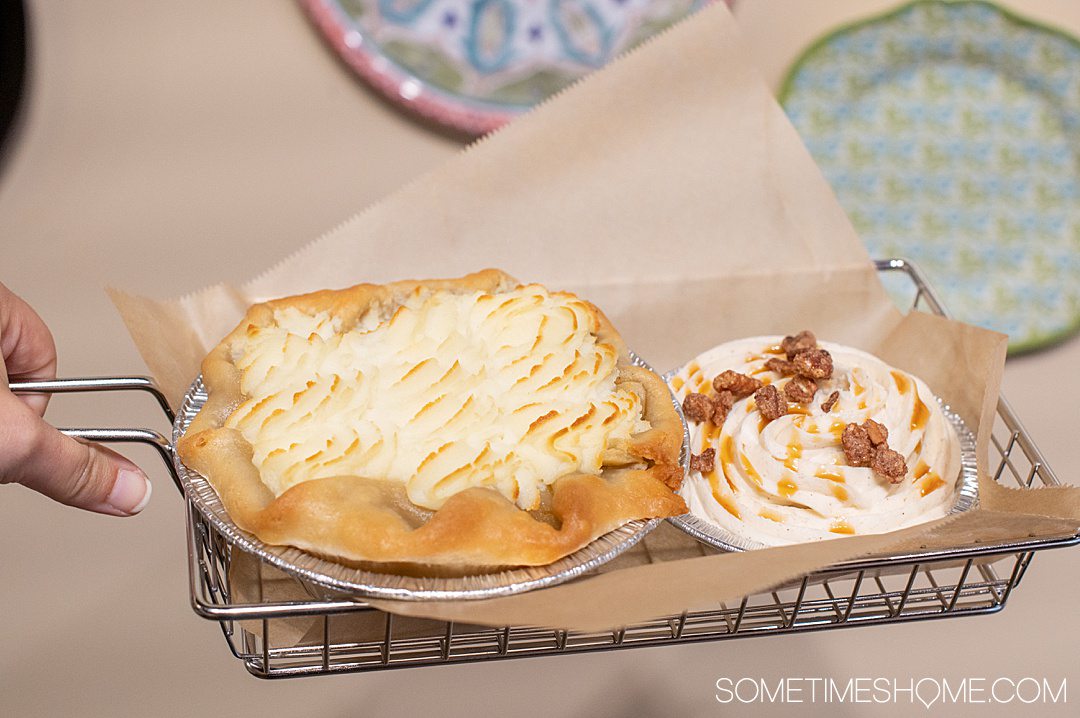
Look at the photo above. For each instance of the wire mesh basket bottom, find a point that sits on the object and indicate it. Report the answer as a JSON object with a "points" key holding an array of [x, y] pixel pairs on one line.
{"points": [[330, 639], [295, 635]]}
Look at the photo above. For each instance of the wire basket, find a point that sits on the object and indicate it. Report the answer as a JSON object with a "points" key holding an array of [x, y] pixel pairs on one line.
{"points": [[278, 628]]}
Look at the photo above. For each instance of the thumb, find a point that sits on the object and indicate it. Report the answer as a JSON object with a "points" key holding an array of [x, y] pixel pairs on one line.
{"points": [[72, 472]]}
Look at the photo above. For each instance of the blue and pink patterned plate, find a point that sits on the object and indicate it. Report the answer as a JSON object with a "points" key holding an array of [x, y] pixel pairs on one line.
{"points": [[950, 132], [473, 65]]}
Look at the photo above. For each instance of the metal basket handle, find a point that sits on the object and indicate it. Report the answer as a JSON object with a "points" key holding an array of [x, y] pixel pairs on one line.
{"points": [[111, 436]]}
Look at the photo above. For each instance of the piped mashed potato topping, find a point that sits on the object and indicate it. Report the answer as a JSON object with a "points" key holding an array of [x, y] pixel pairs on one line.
{"points": [[787, 480], [509, 390]]}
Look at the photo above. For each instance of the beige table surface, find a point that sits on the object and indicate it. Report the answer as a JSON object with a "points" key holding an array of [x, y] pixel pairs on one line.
{"points": [[159, 133]]}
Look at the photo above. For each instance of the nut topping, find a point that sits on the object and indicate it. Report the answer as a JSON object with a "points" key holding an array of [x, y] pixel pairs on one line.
{"points": [[889, 464], [781, 366], [877, 432], [740, 385], [800, 390], [700, 408], [722, 404], [800, 342], [703, 463], [858, 449], [814, 364], [770, 403], [866, 444], [697, 407], [829, 403]]}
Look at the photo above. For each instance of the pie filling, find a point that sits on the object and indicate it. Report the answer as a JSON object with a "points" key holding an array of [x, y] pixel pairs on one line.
{"points": [[509, 391]]}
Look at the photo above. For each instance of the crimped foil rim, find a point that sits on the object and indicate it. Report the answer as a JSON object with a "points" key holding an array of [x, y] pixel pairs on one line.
{"points": [[333, 579], [966, 487]]}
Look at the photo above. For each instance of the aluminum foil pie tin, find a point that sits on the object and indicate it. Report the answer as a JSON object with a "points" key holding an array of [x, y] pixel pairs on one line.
{"points": [[966, 487], [322, 576]]}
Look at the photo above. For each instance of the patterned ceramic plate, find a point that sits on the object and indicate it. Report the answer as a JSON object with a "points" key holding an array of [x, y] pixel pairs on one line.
{"points": [[475, 64], [951, 134]]}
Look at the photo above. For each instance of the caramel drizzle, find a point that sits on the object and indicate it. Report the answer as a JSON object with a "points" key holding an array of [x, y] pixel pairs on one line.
{"points": [[841, 526], [786, 487], [728, 502], [727, 458], [767, 513], [794, 453]]}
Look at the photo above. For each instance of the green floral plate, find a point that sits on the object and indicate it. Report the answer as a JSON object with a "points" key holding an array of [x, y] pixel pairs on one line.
{"points": [[950, 132]]}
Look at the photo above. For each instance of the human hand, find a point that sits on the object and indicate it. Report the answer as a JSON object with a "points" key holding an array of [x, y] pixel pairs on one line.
{"points": [[35, 454]]}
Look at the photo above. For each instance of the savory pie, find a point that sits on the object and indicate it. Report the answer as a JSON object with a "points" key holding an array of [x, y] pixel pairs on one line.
{"points": [[462, 425]]}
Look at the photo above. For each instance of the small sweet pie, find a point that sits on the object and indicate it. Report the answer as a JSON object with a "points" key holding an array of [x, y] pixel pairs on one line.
{"points": [[453, 425], [797, 440]]}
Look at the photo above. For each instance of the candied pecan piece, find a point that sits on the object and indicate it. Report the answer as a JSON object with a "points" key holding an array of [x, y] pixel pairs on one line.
{"points": [[829, 403], [722, 404], [781, 366], [858, 450], [800, 390], [799, 343], [877, 432], [703, 463], [740, 385], [697, 407], [889, 464], [770, 403], [813, 364]]}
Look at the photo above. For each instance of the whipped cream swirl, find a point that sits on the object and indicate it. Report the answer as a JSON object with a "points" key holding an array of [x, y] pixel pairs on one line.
{"points": [[787, 481], [509, 390]]}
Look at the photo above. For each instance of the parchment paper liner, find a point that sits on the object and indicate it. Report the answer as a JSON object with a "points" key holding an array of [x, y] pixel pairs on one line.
{"points": [[670, 190]]}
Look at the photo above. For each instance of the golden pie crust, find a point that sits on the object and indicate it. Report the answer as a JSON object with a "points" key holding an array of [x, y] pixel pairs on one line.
{"points": [[370, 521]]}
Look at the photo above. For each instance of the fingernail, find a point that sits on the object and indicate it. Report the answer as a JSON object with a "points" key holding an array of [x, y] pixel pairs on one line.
{"points": [[131, 492]]}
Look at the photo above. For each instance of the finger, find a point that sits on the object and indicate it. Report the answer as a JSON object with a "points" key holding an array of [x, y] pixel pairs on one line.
{"points": [[27, 347], [72, 472]]}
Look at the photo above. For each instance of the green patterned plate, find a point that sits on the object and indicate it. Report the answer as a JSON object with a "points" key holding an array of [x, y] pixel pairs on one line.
{"points": [[950, 132]]}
